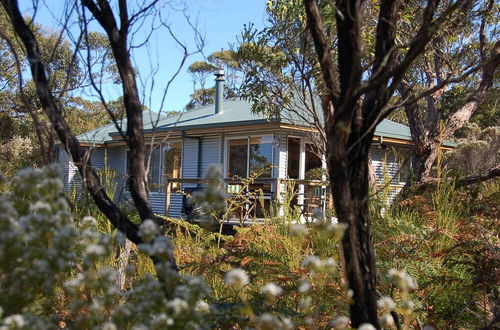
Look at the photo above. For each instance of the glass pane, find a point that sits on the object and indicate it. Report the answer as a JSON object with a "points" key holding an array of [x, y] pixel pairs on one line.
{"points": [[172, 161], [293, 158], [237, 158], [261, 156], [313, 164], [154, 168]]}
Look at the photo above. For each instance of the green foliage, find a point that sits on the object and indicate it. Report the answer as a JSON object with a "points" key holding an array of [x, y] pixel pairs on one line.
{"points": [[447, 242], [281, 274], [478, 150], [201, 71]]}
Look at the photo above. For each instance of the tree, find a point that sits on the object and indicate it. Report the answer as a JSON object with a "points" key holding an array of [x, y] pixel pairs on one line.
{"points": [[451, 101], [18, 99], [118, 28], [282, 76], [201, 71], [360, 85], [343, 63]]}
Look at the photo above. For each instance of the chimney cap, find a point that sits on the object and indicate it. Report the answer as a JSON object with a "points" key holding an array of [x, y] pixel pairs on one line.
{"points": [[219, 73]]}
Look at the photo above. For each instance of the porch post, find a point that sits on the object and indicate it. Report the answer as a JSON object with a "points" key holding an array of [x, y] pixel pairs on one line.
{"points": [[168, 188]]}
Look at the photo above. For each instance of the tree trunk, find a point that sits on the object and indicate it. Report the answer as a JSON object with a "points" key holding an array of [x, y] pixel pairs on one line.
{"points": [[422, 161], [79, 154], [123, 257], [349, 173]]}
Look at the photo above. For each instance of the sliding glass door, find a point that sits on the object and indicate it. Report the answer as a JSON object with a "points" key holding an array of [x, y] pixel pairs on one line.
{"points": [[247, 156]]}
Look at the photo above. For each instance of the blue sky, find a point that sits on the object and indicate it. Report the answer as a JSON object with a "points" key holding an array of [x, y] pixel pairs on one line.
{"points": [[219, 21]]}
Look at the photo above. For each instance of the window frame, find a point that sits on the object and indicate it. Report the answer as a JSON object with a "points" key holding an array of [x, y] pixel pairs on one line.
{"points": [[162, 164], [248, 138]]}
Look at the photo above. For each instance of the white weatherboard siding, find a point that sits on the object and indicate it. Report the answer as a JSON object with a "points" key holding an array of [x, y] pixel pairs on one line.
{"points": [[389, 168], [190, 160], [282, 152], [117, 160], [386, 166], [279, 156], [98, 157], [157, 201], [68, 170], [210, 153]]}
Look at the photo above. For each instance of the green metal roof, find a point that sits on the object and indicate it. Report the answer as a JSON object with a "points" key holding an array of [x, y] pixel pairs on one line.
{"points": [[103, 134], [235, 112]]}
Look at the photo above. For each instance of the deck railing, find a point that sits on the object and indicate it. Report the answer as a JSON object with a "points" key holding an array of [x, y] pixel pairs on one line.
{"points": [[309, 194]]}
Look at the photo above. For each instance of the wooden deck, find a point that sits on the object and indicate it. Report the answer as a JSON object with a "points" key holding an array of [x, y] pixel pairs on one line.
{"points": [[249, 200]]}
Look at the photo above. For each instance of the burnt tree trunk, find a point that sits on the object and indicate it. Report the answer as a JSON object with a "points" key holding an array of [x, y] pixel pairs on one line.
{"points": [[117, 36], [349, 171], [358, 108], [80, 155]]}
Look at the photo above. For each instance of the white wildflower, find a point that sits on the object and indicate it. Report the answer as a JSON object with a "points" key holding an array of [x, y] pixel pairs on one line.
{"points": [[387, 320], [304, 286], [366, 326], [237, 277], [350, 294], [316, 264], [95, 250], [177, 305], [89, 222], [161, 320], [267, 321], [40, 206], [299, 230], [338, 229], [74, 282], [108, 326], [271, 290], [402, 279], [330, 265], [311, 261], [408, 305], [202, 307], [140, 327], [14, 321], [340, 323], [386, 303], [148, 230], [287, 324], [160, 246]]}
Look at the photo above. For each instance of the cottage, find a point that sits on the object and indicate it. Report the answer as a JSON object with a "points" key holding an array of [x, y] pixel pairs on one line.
{"points": [[228, 134]]}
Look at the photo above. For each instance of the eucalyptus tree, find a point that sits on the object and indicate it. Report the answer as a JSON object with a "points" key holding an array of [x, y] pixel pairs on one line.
{"points": [[66, 73], [340, 65], [456, 74], [120, 25], [202, 70], [360, 83]]}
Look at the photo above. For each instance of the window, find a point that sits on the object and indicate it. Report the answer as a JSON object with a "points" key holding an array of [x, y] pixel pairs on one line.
{"points": [[313, 163], [172, 161], [237, 158], [261, 156], [293, 166], [250, 155]]}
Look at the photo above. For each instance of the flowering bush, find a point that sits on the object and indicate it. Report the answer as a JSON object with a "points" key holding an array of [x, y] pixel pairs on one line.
{"points": [[46, 257], [54, 272]]}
